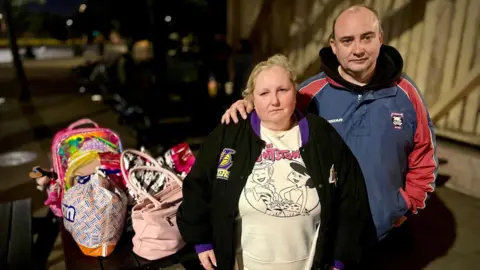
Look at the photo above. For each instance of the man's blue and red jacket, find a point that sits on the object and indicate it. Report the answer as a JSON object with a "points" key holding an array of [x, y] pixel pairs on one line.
{"points": [[387, 126]]}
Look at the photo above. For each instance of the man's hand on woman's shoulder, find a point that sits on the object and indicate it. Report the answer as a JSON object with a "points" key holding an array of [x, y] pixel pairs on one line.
{"points": [[243, 106]]}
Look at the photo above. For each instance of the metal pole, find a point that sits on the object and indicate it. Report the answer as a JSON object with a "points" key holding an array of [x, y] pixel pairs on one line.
{"points": [[17, 61]]}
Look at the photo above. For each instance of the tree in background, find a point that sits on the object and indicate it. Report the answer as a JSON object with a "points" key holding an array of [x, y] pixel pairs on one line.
{"points": [[9, 5]]}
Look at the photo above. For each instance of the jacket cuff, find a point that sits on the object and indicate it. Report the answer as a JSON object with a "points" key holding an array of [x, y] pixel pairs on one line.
{"points": [[338, 265], [203, 247]]}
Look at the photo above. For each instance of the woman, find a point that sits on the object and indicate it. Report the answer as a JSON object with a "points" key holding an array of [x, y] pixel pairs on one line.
{"points": [[276, 191]]}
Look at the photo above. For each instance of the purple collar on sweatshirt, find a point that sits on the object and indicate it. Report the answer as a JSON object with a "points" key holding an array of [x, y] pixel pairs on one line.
{"points": [[302, 123]]}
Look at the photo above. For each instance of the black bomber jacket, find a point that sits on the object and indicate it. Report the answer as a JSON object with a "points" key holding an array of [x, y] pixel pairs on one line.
{"points": [[212, 190]]}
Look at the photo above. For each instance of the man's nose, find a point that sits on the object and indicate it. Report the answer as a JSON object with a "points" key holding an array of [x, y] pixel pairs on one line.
{"points": [[358, 49]]}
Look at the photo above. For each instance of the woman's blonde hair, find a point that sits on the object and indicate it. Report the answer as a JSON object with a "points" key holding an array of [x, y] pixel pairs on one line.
{"points": [[279, 60]]}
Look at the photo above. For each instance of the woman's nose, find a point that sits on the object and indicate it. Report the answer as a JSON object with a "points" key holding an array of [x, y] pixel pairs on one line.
{"points": [[275, 100]]}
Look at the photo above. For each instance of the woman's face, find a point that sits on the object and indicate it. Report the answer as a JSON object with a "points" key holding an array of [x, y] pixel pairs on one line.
{"points": [[274, 97]]}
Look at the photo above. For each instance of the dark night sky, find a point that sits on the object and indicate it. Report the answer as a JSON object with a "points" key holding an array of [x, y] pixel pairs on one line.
{"points": [[64, 7]]}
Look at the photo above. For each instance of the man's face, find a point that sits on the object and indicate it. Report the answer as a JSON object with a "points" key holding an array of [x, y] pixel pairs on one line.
{"points": [[357, 41]]}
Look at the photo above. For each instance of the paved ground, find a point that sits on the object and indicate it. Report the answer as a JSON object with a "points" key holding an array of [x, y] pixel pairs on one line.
{"points": [[444, 236], [41, 53]]}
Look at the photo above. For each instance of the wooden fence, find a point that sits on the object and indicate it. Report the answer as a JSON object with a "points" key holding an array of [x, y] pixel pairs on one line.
{"points": [[439, 40]]}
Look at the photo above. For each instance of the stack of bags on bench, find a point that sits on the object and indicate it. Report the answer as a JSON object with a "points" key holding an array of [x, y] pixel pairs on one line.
{"points": [[94, 181]]}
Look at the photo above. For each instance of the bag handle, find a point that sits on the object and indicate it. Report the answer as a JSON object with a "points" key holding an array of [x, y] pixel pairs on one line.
{"points": [[169, 176], [137, 153], [83, 121]]}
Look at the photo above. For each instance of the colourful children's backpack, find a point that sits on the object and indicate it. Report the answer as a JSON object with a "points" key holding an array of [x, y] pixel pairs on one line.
{"points": [[70, 141]]}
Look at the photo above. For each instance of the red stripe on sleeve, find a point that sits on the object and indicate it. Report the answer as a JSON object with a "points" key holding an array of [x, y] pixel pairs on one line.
{"points": [[422, 163], [306, 93]]}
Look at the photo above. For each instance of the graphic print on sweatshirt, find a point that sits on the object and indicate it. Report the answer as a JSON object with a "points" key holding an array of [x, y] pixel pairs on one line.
{"points": [[280, 185]]}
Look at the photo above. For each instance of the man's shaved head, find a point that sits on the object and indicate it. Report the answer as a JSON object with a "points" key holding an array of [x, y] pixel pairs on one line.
{"points": [[353, 9], [356, 40]]}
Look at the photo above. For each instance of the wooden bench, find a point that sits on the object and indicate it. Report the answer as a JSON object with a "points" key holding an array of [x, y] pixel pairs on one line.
{"points": [[16, 235], [123, 257]]}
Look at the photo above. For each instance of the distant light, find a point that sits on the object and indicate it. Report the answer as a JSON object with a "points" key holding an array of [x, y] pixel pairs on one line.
{"points": [[229, 88], [1, 16], [173, 36], [82, 8], [168, 18], [69, 22], [96, 98]]}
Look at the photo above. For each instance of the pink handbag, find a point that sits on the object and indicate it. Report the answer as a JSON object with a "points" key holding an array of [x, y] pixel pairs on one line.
{"points": [[149, 180], [154, 218]]}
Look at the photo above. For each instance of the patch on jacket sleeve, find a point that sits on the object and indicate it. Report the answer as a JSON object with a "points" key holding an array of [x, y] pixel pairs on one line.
{"points": [[333, 176], [225, 163]]}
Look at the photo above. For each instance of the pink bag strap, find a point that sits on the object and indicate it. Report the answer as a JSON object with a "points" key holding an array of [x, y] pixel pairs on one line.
{"points": [[83, 121], [137, 153], [169, 177]]}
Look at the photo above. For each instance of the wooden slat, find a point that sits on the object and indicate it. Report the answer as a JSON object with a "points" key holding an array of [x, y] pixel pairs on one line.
{"points": [[459, 91], [387, 25], [472, 139], [466, 52], [396, 29], [21, 238], [471, 39], [5, 214], [478, 121], [432, 56], [470, 111], [405, 37], [416, 39], [453, 50], [297, 32], [368, 2]]}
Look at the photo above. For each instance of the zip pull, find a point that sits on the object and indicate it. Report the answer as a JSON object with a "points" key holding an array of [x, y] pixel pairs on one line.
{"points": [[359, 97]]}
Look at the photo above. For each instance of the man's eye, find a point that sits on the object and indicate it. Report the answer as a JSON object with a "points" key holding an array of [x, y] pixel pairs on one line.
{"points": [[347, 41], [263, 94], [283, 89]]}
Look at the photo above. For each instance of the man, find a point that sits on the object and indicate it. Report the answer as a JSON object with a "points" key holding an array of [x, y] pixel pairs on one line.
{"points": [[377, 110]]}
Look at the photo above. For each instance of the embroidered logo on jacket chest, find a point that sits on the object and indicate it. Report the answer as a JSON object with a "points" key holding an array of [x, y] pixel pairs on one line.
{"points": [[397, 120]]}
